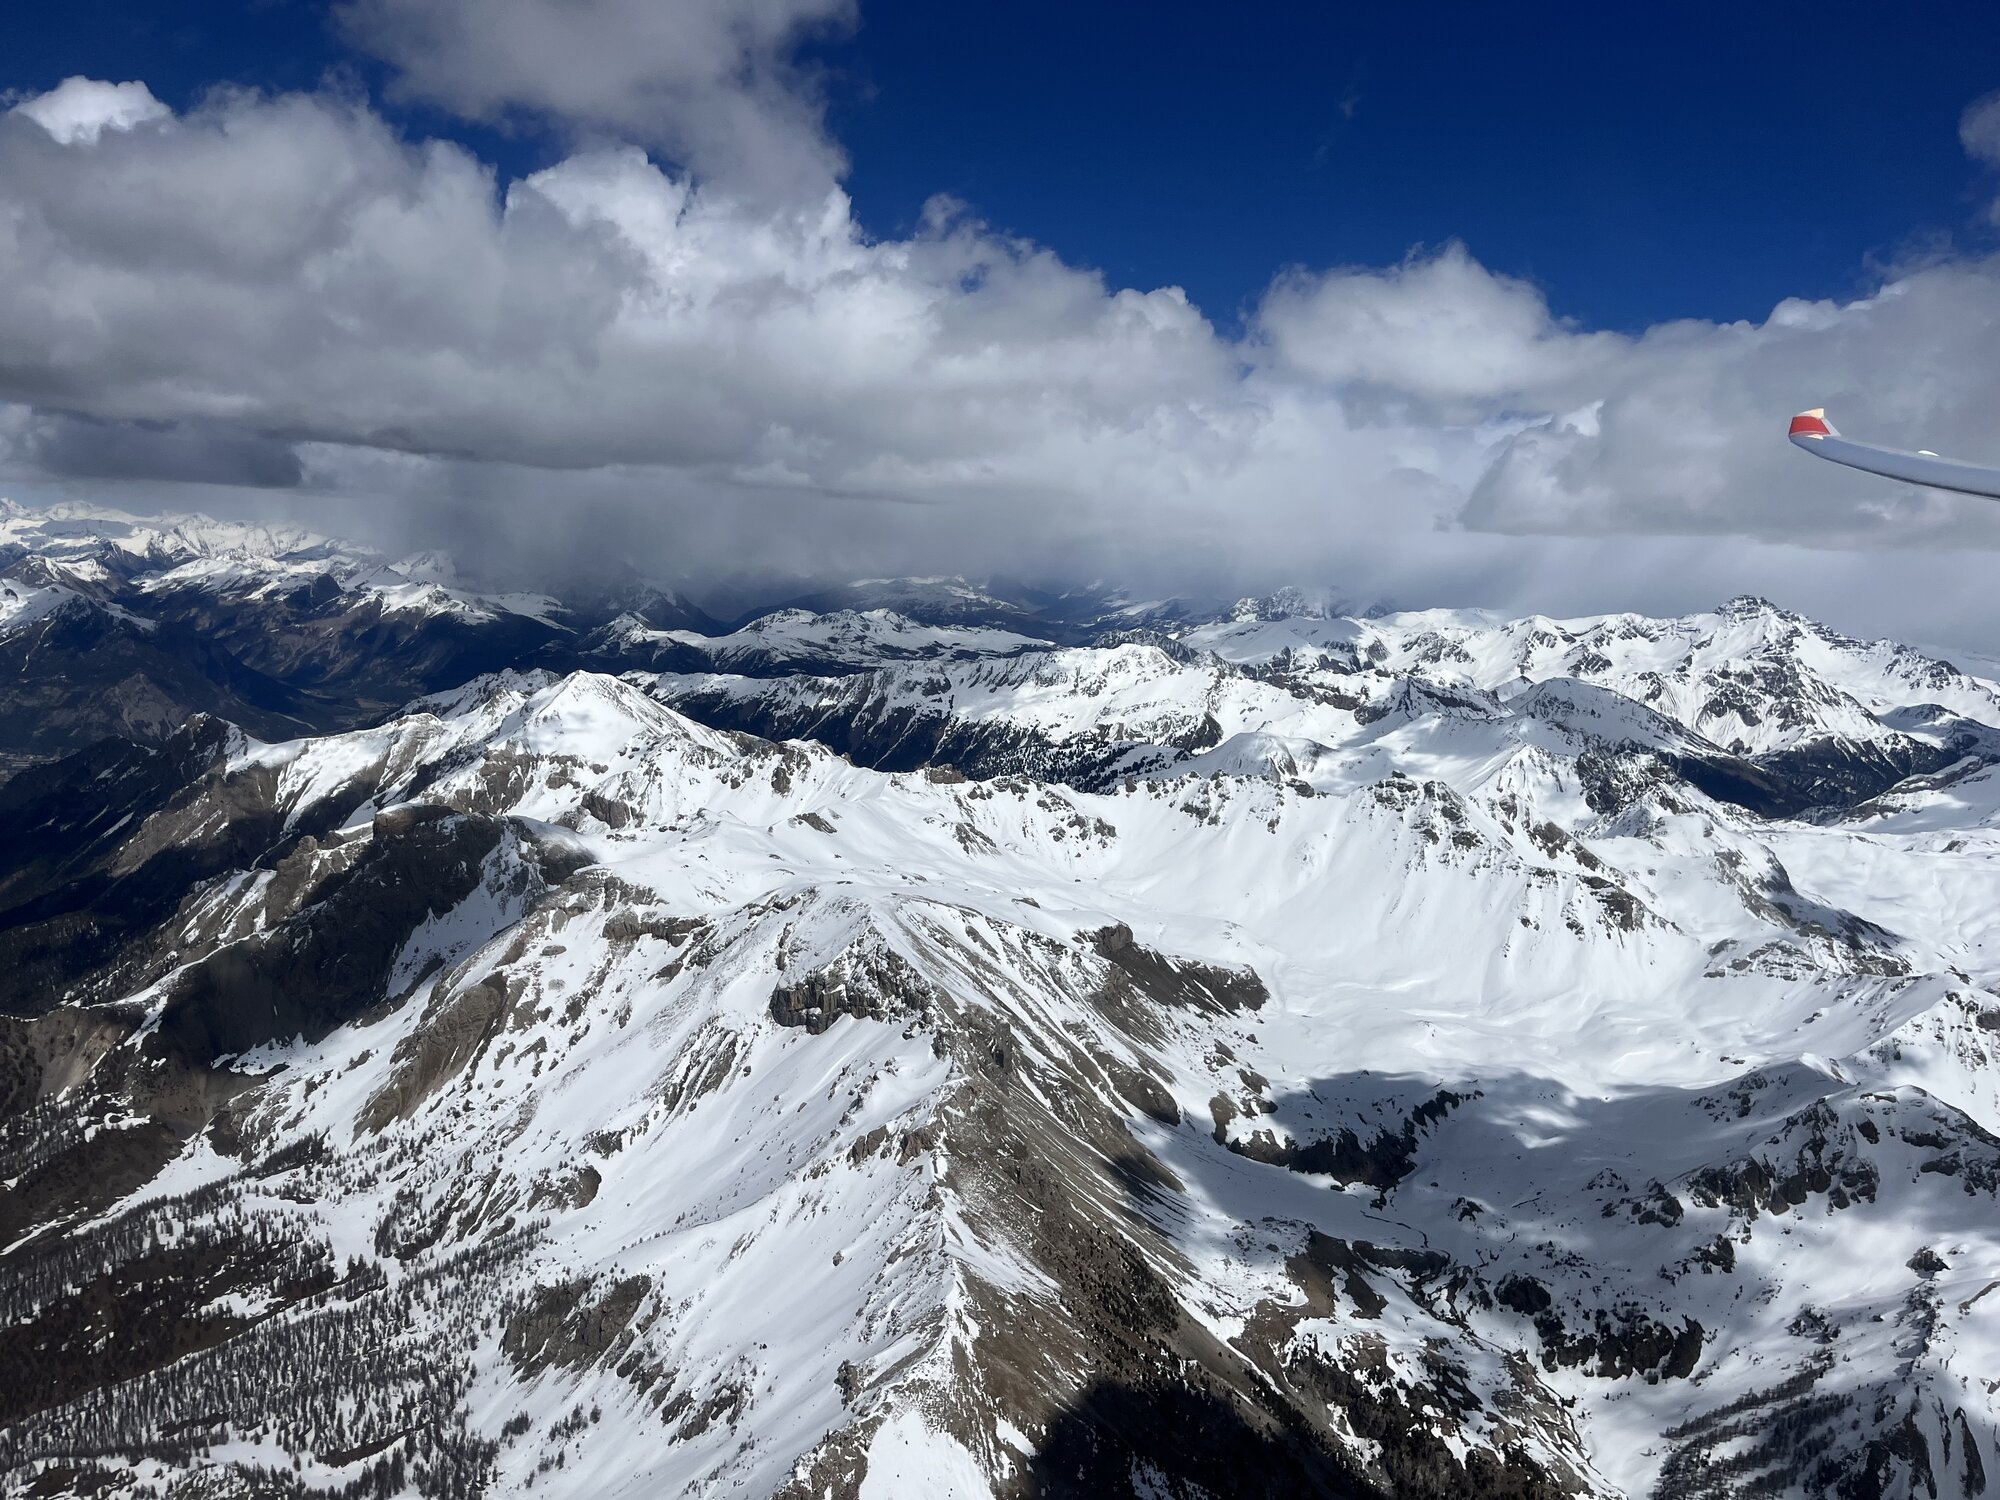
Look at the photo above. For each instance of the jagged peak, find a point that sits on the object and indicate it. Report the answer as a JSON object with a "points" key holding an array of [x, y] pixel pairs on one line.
{"points": [[1291, 603], [1746, 606]]}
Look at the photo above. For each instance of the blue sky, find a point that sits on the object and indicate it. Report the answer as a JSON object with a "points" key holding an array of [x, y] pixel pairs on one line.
{"points": [[1704, 162], [1483, 305]]}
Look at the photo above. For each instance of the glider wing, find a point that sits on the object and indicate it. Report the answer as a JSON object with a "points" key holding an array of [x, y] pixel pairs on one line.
{"points": [[1812, 432]]}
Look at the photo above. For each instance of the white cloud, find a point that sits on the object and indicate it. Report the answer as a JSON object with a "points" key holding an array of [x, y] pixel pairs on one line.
{"points": [[81, 109], [1438, 328], [268, 289], [1687, 435], [1979, 129], [289, 265], [710, 82], [1979, 133]]}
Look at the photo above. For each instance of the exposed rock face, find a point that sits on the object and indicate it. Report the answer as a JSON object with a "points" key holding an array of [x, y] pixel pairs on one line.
{"points": [[873, 983], [570, 1325], [1179, 982], [1390, 1081]]}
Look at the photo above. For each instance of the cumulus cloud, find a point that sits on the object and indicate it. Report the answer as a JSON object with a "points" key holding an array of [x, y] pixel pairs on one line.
{"points": [[285, 292], [290, 266], [81, 109], [712, 83], [1437, 328]]}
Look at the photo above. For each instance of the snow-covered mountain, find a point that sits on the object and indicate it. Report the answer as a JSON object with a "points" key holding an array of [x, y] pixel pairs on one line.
{"points": [[866, 1055], [119, 624]]}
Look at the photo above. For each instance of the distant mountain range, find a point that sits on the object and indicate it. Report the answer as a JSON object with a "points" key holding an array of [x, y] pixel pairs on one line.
{"points": [[949, 1039]]}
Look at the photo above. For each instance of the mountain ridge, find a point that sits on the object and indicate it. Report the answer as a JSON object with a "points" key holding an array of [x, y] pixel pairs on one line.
{"points": [[1337, 1055]]}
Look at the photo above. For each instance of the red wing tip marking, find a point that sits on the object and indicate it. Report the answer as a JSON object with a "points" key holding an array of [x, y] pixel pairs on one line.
{"points": [[1811, 424]]}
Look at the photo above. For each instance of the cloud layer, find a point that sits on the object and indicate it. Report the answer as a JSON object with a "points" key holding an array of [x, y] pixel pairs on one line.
{"points": [[712, 83], [283, 291]]}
